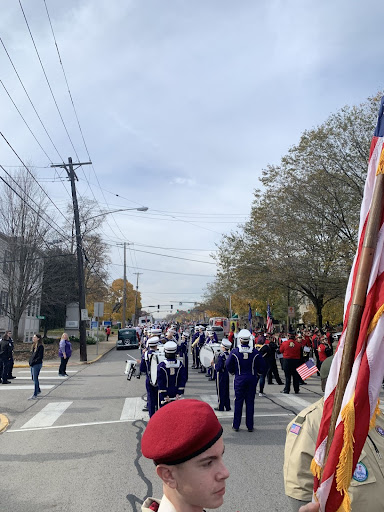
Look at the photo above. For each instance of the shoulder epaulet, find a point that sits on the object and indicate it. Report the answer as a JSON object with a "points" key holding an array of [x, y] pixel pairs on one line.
{"points": [[300, 418]]}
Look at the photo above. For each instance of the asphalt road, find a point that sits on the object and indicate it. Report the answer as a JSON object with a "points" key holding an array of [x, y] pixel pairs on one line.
{"points": [[77, 448]]}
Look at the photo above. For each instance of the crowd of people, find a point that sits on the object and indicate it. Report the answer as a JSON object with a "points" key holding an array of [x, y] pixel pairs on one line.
{"points": [[251, 357]]}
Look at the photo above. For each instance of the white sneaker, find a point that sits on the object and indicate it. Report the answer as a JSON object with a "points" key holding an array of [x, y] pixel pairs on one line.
{"points": [[33, 397], [261, 394]]}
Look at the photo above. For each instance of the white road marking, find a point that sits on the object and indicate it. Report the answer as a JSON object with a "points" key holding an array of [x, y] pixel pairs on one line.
{"points": [[25, 386], [292, 400], [47, 416], [42, 377], [210, 399], [132, 409], [45, 371]]}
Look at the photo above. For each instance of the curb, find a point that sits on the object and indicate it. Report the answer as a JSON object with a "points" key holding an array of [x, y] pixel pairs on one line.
{"points": [[4, 422], [80, 363]]}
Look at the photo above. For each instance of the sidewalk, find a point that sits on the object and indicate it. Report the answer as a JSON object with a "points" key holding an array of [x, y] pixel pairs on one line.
{"points": [[94, 353]]}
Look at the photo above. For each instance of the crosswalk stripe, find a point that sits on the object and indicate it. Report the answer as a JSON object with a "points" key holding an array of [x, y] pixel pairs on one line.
{"points": [[47, 416], [45, 371], [292, 400], [210, 399], [14, 387], [132, 409], [42, 377]]}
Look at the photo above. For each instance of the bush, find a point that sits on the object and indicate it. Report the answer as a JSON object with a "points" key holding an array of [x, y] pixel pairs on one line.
{"points": [[49, 341], [91, 340], [74, 338]]}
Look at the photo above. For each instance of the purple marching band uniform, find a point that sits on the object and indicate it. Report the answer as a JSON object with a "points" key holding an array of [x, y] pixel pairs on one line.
{"points": [[211, 338], [152, 391], [171, 380], [182, 351], [196, 350], [246, 364], [222, 382]]}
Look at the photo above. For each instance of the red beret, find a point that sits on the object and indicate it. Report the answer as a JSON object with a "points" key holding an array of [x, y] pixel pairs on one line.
{"points": [[180, 431]]}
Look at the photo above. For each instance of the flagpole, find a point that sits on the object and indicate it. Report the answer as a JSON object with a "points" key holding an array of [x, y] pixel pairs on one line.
{"points": [[358, 300]]}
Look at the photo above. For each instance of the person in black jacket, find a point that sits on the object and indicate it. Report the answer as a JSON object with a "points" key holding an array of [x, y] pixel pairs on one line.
{"points": [[5, 358], [36, 362], [11, 362]]}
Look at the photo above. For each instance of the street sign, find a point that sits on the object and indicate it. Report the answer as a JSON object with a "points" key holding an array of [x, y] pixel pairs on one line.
{"points": [[84, 314], [94, 324], [41, 317], [291, 312], [98, 309], [74, 324]]}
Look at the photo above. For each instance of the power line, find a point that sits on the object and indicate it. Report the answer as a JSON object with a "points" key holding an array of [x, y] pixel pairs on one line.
{"points": [[24, 201], [27, 125], [32, 176], [49, 85], [165, 271], [175, 257], [66, 81], [29, 98]]}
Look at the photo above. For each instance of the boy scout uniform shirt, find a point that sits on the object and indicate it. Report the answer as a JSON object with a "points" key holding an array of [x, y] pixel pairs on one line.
{"points": [[366, 488], [165, 505]]}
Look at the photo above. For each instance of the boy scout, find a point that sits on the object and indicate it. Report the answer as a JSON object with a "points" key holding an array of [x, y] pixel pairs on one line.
{"points": [[366, 488]]}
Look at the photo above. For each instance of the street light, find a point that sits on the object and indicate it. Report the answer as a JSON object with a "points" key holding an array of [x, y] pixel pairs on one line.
{"points": [[139, 209]]}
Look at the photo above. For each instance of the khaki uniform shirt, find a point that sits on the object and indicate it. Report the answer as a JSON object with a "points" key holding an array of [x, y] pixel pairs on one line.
{"points": [[367, 485], [165, 505]]}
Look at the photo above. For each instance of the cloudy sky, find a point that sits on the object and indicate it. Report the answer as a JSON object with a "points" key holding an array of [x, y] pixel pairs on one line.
{"points": [[182, 104]]}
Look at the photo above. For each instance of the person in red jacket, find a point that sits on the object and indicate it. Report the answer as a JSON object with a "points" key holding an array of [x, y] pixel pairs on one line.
{"points": [[291, 350], [324, 350]]}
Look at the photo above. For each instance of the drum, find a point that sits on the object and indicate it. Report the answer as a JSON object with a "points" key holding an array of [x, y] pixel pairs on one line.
{"points": [[155, 360], [208, 353]]}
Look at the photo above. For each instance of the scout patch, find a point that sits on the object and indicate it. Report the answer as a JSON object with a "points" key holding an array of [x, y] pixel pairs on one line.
{"points": [[295, 429], [380, 431], [361, 472]]}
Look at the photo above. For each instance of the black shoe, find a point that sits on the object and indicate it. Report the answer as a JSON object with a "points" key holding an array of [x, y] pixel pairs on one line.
{"points": [[228, 409], [281, 383], [250, 430], [297, 392], [270, 383], [11, 377], [235, 429], [7, 382], [285, 392], [217, 409], [144, 409], [193, 367]]}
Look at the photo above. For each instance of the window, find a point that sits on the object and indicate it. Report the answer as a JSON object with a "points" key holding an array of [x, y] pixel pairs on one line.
{"points": [[3, 303], [6, 262]]}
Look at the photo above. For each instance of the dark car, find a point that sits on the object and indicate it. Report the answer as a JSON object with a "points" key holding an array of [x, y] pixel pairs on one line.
{"points": [[127, 338]]}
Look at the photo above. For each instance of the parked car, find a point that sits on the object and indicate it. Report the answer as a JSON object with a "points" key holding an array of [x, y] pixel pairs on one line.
{"points": [[336, 336], [127, 338], [218, 330]]}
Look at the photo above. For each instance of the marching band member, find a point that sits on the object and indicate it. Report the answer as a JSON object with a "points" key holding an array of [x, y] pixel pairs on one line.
{"points": [[212, 338], [246, 364], [197, 342], [222, 377], [171, 375], [183, 350], [152, 391]]}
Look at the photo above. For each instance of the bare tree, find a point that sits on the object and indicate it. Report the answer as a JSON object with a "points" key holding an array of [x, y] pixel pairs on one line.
{"points": [[25, 224]]}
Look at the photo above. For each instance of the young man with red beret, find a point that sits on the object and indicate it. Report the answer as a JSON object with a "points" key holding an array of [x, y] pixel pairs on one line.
{"points": [[190, 462]]}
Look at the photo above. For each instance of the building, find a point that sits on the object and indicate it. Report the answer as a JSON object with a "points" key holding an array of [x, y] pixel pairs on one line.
{"points": [[29, 322]]}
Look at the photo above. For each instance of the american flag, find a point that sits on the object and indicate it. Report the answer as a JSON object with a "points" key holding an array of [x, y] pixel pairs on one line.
{"points": [[307, 369], [269, 320], [360, 399]]}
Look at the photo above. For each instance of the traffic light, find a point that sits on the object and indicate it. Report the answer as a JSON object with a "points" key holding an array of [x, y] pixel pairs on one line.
{"points": [[171, 306], [158, 306]]}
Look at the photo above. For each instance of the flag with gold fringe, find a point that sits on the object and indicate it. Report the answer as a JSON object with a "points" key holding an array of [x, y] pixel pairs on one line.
{"points": [[359, 406]]}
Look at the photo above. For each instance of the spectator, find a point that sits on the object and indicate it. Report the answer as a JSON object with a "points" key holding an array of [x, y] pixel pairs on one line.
{"points": [[5, 358], [65, 352], [108, 331], [36, 363]]}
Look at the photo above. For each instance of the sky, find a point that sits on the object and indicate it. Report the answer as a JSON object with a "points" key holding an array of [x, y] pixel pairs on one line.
{"points": [[181, 104]]}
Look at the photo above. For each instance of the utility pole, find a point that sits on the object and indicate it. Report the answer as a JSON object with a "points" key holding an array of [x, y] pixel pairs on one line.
{"points": [[137, 289], [123, 320], [79, 251]]}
